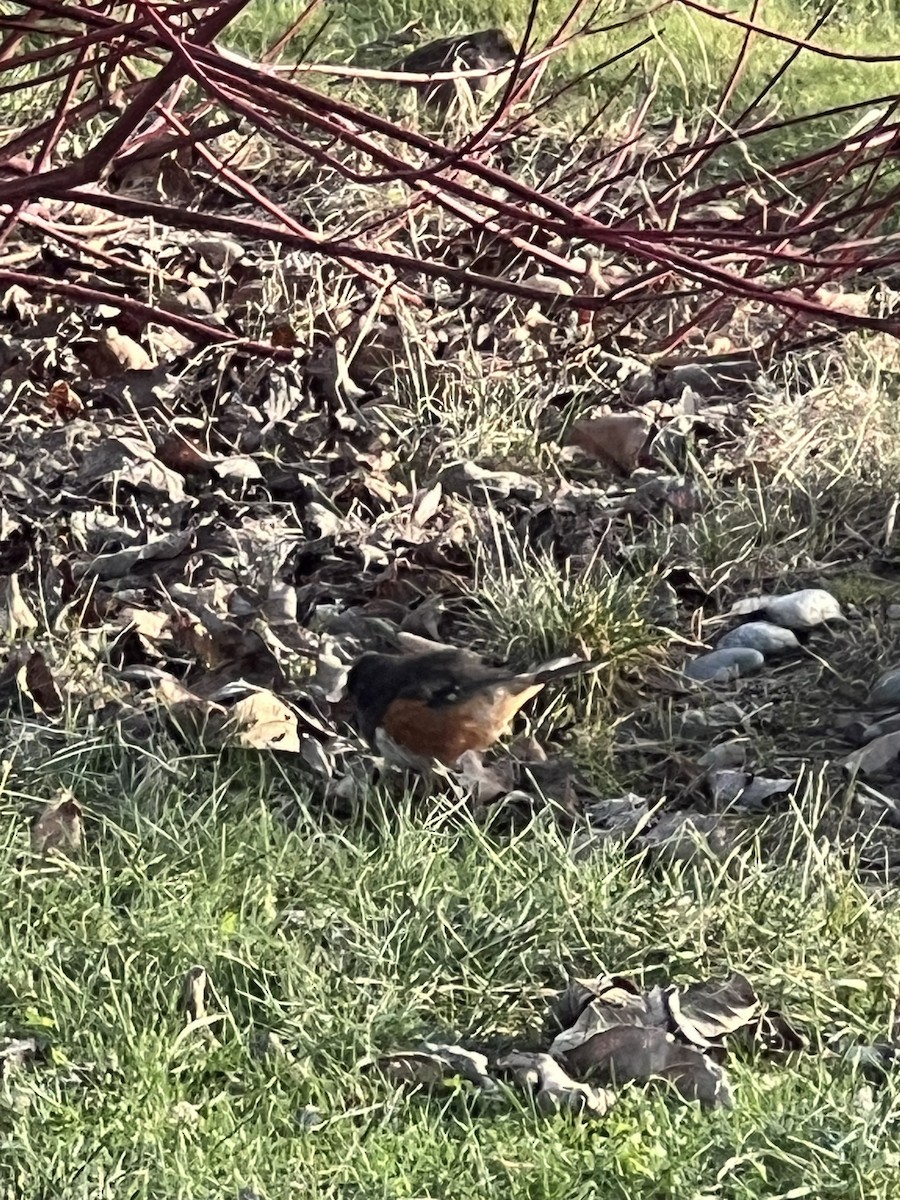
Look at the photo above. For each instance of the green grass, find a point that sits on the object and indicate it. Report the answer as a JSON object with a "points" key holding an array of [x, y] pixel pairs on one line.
{"points": [[344, 941], [693, 53], [338, 941]]}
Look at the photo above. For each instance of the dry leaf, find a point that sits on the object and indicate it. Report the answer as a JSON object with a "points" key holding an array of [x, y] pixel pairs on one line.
{"points": [[239, 466], [109, 354], [59, 827], [616, 438], [614, 1008], [20, 618], [154, 477], [579, 993], [263, 722], [878, 756], [193, 994], [180, 701], [36, 682], [552, 1088], [854, 304], [119, 563], [283, 336], [433, 1065], [180, 454], [705, 1012], [426, 505], [65, 402], [630, 1052]]}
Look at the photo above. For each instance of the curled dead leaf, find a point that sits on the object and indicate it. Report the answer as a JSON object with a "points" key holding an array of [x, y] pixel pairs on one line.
{"points": [[854, 304], [59, 827], [111, 352], [64, 401], [262, 721], [433, 1065], [630, 1052], [614, 1008], [283, 335], [20, 618], [553, 1090], [35, 681], [615, 438], [193, 994], [179, 453], [880, 755], [705, 1012]]}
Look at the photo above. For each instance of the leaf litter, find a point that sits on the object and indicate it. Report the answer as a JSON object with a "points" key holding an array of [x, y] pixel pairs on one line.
{"points": [[607, 1033], [204, 543]]}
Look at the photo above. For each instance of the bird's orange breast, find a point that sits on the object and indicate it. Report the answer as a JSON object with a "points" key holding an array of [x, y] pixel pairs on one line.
{"points": [[448, 731]]}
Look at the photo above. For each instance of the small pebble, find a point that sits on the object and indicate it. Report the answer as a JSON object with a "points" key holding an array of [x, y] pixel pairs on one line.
{"points": [[886, 690], [893, 612], [762, 636], [804, 609], [724, 664]]}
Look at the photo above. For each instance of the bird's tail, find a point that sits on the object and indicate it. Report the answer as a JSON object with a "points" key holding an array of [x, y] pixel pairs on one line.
{"points": [[562, 668]]}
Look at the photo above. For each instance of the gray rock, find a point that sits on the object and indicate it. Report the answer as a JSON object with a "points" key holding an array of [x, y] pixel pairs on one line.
{"points": [[887, 690], [763, 636], [724, 664], [804, 609]]}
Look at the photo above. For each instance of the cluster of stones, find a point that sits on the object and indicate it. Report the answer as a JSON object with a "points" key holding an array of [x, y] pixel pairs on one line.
{"points": [[772, 631]]}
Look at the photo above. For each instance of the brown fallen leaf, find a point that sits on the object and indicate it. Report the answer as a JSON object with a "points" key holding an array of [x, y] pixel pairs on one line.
{"points": [[568, 1006], [433, 1065], [120, 562], [149, 626], [855, 304], [630, 1052], [553, 1090], [283, 335], [615, 438], [65, 402], [179, 453], [705, 1012], [192, 713], [425, 505], [486, 783], [615, 1008], [36, 682], [20, 618], [881, 754], [262, 722], [193, 994], [110, 353], [59, 827]]}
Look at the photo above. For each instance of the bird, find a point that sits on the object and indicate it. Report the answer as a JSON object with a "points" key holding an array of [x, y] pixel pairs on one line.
{"points": [[487, 50], [434, 706]]}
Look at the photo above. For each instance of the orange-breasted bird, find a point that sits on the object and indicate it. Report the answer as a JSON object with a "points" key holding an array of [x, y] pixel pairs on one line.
{"points": [[417, 708]]}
